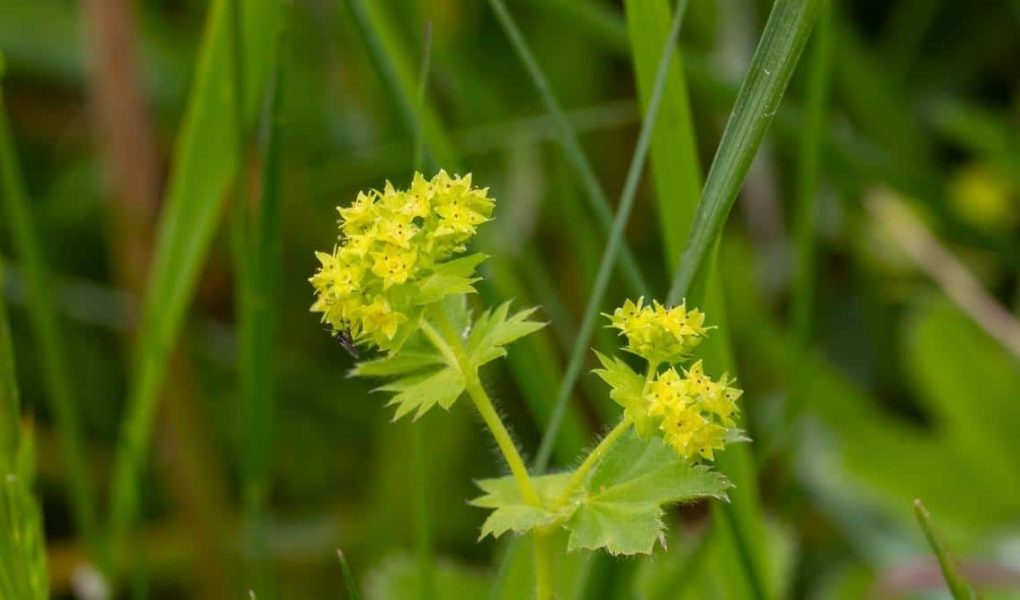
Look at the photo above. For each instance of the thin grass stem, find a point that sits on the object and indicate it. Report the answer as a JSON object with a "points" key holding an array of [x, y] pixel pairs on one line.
{"points": [[597, 199], [42, 314], [613, 246]]}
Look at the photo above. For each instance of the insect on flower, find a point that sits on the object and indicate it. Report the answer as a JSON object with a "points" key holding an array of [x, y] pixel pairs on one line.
{"points": [[347, 342]]}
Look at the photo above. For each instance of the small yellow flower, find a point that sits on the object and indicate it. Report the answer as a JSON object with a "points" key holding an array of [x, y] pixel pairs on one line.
{"points": [[694, 412], [393, 267], [722, 402], [391, 241], [397, 231], [680, 428], [707, 440], [665, 394], [657, 333], [379, 318]]}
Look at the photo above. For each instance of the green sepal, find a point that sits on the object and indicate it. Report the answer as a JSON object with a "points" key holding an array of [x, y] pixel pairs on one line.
{"points": [[450, 278], [627, 390]]}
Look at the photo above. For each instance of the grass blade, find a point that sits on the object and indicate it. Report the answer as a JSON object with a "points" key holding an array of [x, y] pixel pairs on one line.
{"points": [[42, 314], [956, 583], [22, 545], [596, 196], [419, 467], [259, 256], [808, 168], [771, 68], [349, 581], [205, 161], [397, 69], [10, 402], [613, 246], [675, 166]]}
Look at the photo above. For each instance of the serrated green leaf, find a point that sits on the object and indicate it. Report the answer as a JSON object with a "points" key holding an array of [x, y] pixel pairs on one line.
{"points": [[618, 508], [512, 513], [401, 363], [494, 329], [422, 392], [450, 278], [622, 503], [626, 389]]}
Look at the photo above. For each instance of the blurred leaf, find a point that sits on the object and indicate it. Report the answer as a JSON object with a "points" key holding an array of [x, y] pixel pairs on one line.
{"points": [[46, 328], [205, 161], [896, 459], [23, 572], [970, 383], [22, 543], [674, 154], [954, 581], [352, 585], [397, 579]]}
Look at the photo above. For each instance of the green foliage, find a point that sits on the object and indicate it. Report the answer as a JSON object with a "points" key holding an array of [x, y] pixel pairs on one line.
{"points": [[449, 278], [626, 389], [620, 504], [22, 545], [956, 583], [510, 512], [771, 68], [204, 165], [422, 392], [494, 330], [421, 385], [397, 578]]}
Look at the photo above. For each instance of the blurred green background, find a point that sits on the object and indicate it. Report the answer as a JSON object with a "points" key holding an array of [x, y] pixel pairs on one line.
{"points": [[870, 268]]}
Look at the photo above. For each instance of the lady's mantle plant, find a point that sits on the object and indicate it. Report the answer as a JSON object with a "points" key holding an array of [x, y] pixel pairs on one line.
{"points": [[397, 280]]}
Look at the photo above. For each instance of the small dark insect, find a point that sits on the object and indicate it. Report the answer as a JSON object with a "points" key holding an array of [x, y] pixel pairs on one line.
{"points": [[344, 337]]}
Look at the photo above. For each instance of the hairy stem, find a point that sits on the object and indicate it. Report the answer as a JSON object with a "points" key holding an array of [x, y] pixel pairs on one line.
{"points": [[593, 459], [503, 439], [450, 345]]}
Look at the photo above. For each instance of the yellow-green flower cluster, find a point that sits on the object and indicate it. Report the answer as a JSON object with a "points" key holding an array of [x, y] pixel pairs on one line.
{"points": [[656, 333], [693, 412], [390, 242]]}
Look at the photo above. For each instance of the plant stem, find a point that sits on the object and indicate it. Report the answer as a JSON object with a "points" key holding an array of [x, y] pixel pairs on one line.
{"points": [[543, 565], [503, 439], [449, 344], [593, 459]]}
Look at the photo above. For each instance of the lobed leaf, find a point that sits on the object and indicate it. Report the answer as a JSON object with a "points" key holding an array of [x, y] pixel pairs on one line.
{"points": [[400, 363], [627, 491], [626, 389], [619, 506], [511, 512], [450, 278], [494, 329], [422, 392]]}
